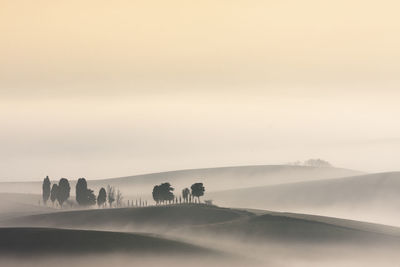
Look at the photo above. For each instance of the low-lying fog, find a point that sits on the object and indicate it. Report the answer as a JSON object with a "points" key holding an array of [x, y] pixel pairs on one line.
{"points": [[274, 256], [282, 239]]}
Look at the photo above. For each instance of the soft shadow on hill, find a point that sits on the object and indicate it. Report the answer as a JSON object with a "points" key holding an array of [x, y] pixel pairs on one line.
{"points": [[202, 220], [38, 241], [371, 197]]}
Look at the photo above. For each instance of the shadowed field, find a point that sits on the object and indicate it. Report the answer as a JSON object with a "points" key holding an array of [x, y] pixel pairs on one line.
{"points": [[202, 219], [36, 241]]}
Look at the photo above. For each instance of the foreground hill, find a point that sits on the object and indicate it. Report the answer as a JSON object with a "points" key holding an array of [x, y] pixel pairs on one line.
{"points": [[155, 216], [213, 178], [373, 197], [204, 220], [37, 241]]}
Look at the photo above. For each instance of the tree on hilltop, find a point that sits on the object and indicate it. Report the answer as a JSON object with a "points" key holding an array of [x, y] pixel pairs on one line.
{"points": [[46, 189], [317, 163], [54, 193], [185, 194], [63, 191], [156, 194], [163, 193], [166, 192], [84, 196], [102, 197], [198, 190], [110, 194], [119, 198]]}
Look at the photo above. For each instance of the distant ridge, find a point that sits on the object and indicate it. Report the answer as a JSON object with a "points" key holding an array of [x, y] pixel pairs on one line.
{"points": [[214, 178], [356, 197]]}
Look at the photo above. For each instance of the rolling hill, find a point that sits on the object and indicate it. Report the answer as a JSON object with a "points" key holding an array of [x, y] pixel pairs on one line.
{"points": [[39, 241], [214, 178], [168, 217], [201, 220], [373, 197]]}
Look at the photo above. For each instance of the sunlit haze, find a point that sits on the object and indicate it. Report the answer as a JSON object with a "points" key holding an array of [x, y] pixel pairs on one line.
{"points": [[98, 89]]}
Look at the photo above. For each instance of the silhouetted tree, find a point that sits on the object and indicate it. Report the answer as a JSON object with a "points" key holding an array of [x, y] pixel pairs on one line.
{"points": [[156, 194], [110, 194], [84, 196], [163, 193], [102, 197], [198, 190], [91, 197], [63, 191], [54, 193], [166, 192], [46, 189], [317, 163], [80, 191], [119, 198], [185, 194]]}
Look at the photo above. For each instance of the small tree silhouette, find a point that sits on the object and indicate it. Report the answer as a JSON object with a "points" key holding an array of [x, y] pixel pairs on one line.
{"points": [[81, 191], [185, 194], [102, 197], [54, 193], [84, 196], [156, 194], [90, 197], [119, 198], [110, 194], [198, 190], [63, 191], [46, 189]]}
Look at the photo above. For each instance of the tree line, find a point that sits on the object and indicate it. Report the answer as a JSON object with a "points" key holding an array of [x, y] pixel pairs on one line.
{"points": [[84, 196], [162, 194]]}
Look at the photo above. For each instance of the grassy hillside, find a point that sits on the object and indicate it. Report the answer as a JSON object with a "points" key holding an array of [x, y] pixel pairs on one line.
{"points": [[213, 178], [281, 228], [201, 219], [157, 216], [373, 197], [50, 240]]}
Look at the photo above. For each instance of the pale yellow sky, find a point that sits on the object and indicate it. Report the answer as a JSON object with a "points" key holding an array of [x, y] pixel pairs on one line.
{"points": [[102, 89]]}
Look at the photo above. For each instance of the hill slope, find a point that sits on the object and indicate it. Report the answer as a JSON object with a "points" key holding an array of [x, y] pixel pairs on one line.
{"points": [[16, 205], [202, 220], [373, 197], [50, 240], [214, 178], [155, 216]]}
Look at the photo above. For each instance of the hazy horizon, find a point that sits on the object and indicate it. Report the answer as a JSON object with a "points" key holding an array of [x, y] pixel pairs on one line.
{"points": [[96, 89]]}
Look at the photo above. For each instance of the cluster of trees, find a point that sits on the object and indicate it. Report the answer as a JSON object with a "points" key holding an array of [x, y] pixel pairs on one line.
{"points": [[59, 192], [163, 193], [84, 195], [320, 163]]}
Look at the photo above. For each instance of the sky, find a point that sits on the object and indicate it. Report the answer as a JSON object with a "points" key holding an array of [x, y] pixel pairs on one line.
{"points": [[101, 89]]}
